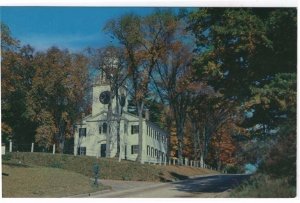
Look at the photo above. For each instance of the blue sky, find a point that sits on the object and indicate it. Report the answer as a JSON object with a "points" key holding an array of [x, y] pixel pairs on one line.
{"points": [[74, 28]]}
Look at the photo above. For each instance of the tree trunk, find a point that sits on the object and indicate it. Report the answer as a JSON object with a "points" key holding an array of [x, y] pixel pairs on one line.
{"points": [[180, 140], [61, 136], [218, 153], [169, 126], [140, 113], [109, 130], [118, 154], [203, 147]]}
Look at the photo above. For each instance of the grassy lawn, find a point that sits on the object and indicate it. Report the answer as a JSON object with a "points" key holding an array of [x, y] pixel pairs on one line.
{"points": [[26, 181]]}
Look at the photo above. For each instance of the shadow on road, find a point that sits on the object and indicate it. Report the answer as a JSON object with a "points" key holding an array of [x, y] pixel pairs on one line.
{"points": [[211, 184]]}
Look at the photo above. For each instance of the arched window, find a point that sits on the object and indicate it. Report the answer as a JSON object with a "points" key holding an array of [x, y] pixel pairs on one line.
{"points": [[148, 150], [152, 151]]}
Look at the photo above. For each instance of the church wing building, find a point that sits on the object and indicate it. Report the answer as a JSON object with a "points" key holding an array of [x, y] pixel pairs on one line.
{"points": [[91, 134]]}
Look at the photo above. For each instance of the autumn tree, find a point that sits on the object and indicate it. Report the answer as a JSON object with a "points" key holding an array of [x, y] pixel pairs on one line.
{"points": [[170, 77], [110, 61], [17, 70], [57, 95], [142, 39]]}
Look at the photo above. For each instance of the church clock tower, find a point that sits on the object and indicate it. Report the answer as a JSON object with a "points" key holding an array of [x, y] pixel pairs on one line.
{"points": [[101, 96]]}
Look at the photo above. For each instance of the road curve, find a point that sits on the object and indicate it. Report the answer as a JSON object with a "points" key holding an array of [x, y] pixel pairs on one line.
{"points": [[208, 186]]}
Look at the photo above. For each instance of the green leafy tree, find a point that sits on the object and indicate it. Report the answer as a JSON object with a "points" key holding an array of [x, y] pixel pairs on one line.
{"points": [[249, 56], [240, 47]]}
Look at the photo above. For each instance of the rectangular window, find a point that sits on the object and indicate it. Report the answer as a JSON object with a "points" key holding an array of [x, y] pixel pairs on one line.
{"points": [[81, 151], [82, 132], [100, 129], [104, 127], [125, 128], [134, 149], [134, 129]]}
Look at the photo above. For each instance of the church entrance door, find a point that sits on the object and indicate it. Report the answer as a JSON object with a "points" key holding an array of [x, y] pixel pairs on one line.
{"points": [[103, 150]]}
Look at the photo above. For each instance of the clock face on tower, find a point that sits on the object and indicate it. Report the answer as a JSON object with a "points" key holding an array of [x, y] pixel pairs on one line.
{"points": [[104, 97]]}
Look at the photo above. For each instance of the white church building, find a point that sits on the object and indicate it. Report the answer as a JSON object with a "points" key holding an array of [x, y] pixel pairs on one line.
{"points": [[91, 133]]}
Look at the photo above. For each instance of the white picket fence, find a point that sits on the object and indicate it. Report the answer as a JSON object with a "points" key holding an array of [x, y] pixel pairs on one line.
{"points": [[170, 161], [32, 148]]}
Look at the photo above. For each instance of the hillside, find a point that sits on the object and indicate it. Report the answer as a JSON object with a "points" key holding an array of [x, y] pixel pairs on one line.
{"points": [[109, 168]]}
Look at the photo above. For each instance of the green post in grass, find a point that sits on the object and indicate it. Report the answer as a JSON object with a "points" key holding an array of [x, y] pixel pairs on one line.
{"points": [[96, 170]]}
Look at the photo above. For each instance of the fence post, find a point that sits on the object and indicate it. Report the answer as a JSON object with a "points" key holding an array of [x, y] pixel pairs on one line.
{"points": [[10, 146], [32, 147], [54, 149]]}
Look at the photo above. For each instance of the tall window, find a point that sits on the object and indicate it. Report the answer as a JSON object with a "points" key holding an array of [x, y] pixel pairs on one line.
{"points": [[100, 129], [148, 150], [134, 129], [82, 132], [125, 127], [104, 127], [134, 149]]}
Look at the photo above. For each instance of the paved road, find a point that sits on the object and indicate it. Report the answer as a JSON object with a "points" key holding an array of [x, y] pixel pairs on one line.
{"points": [[209, 186]]}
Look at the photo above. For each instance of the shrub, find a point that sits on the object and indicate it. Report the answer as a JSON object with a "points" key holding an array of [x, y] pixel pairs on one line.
{"points": [[233, 169], [56, 164], [281, 160], [266, 187], [6, 157]]}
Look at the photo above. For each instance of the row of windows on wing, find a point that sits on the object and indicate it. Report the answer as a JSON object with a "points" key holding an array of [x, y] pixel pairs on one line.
{"points": [[152, 152], [82, 150], [156, 135], [104, 128]]}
